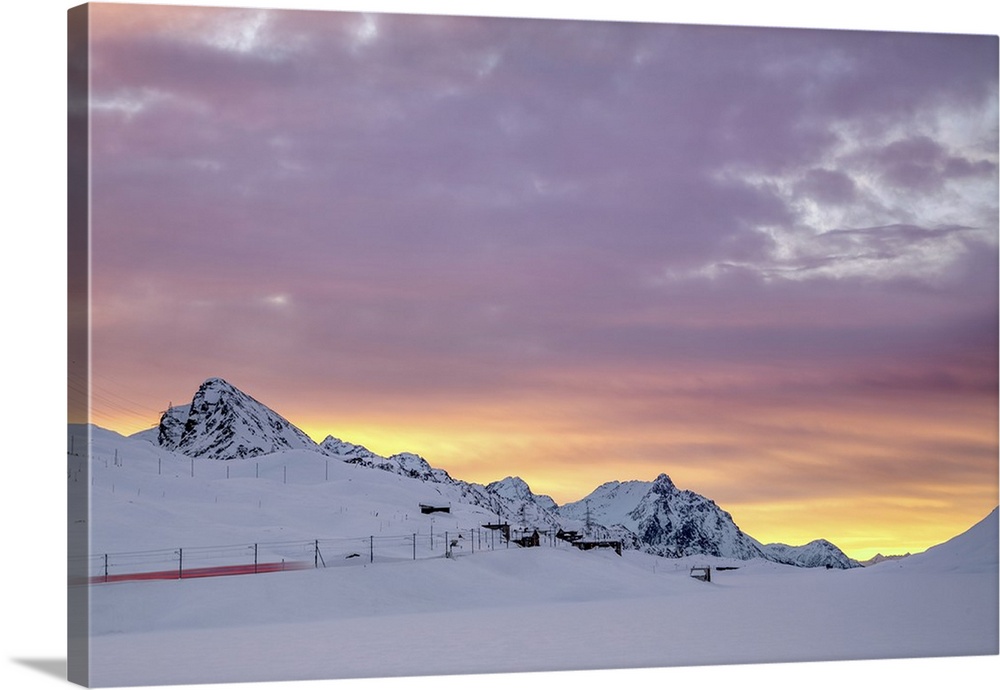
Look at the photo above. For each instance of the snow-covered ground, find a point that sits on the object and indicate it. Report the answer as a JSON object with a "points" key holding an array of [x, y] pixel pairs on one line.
{"points": [[527, 610], [493, 611]]}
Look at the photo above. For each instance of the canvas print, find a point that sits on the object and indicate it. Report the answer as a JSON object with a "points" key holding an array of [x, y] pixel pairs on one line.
{"points": [[414, 345]]}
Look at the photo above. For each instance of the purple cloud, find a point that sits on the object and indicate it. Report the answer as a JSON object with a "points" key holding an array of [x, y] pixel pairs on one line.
{"points": [[353, 209]]}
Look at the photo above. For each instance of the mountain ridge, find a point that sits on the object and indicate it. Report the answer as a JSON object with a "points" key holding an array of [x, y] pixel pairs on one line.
{"points": [[224, 423]]}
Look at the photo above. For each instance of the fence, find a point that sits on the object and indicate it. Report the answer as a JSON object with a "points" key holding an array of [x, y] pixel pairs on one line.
{"points": [[268, 557]]}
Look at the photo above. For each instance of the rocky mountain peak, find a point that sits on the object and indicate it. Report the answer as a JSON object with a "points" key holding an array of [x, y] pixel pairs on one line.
{"points": [[663, 485], [222, 422], [817, 553]]}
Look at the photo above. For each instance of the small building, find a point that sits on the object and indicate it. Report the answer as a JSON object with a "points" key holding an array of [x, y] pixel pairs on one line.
{"points": [[703, 573], [532, 539], [602, 544]]}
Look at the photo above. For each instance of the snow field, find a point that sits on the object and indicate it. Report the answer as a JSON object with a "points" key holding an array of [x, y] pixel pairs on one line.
{"points": [[527, 610], [492, 611]]}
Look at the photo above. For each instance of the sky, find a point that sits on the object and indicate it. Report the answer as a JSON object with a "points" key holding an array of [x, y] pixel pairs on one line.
{"points": [[762, 261]]}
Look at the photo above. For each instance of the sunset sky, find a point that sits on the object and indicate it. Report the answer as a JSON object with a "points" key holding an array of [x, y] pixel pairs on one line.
{"points": [[762, 261]]}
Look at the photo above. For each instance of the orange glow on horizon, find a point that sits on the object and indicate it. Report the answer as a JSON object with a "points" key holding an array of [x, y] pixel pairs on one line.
{"points": [[869, 480], [813, 383]]}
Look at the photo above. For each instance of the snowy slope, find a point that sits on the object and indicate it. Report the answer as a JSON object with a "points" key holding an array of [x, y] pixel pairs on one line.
{"points": [[608, 504], [147, 497], [223, 423], [511, 499], [527, 610], [492, 607], [973, 551]]}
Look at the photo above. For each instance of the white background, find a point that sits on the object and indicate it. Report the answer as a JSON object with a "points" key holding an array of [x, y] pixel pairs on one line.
{"points": [[32, 332]]}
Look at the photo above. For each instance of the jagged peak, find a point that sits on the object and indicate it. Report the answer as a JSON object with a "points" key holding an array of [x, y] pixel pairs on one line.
{"points": [[613, 484], [514, 487], [407, 456], [223, 422], [512, 480], [216, 381], [214, 389], [333, 441], [663, 481]]}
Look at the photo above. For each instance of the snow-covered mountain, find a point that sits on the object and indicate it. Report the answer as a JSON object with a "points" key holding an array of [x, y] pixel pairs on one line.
{"points": [[406, 464], [349, 452], [513, 499], [879, 558], [816, 554], [510, 498], [224, 423], [972, 551], [665, 520]]}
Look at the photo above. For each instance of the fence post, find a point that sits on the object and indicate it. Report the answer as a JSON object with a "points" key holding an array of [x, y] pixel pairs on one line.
{"points": [[371, 549], [472, 540], [180, 563], [414, 546], [447, 549], [254, 559], [316, 554], [105, 564]]}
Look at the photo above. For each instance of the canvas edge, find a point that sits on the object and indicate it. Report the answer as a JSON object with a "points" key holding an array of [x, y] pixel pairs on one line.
{"points": [[78, 337]]}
